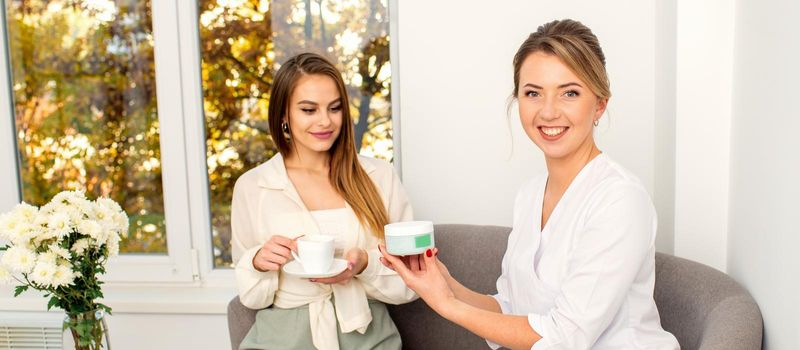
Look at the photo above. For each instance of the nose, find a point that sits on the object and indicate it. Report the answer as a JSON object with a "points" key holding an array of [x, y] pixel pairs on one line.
{"points": [[549, 110], [325, 119]]}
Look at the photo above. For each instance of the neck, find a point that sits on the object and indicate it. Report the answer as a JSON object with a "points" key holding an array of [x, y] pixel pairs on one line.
{"points": [[308, 160], [561, 171]]}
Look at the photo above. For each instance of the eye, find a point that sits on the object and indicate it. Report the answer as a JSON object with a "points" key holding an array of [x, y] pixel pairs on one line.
{"points": [[532, 93], [308, 110], [336, 108], [572, 93]]}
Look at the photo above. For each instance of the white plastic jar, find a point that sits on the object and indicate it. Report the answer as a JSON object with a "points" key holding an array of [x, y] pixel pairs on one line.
{"points": [[409, 238]]}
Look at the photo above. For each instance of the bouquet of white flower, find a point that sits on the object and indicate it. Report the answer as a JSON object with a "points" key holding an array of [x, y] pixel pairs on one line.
{"points": [[60, 249]]}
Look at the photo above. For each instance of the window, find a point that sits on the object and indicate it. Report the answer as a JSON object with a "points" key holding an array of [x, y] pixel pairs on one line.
{"points": [[161, 105], [243, 43], [85, 108]]}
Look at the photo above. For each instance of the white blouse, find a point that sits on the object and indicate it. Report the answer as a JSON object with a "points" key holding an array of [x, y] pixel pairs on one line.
{"points": [[266, 203], [332, 222], [586, 280]]}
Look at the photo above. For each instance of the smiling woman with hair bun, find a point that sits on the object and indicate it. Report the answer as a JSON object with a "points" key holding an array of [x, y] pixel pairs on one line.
{"points": [[579, 268]]}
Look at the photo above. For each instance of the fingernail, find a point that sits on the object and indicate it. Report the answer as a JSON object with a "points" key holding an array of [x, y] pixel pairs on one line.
{"points": [[429, 253], [435, 251], [350, 266]]}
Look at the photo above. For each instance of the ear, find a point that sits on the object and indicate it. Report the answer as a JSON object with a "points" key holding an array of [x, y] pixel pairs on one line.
{"points": [[602, 103]]}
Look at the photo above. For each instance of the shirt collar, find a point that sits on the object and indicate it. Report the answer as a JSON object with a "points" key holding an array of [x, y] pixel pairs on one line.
{"points": [[273, 174]]}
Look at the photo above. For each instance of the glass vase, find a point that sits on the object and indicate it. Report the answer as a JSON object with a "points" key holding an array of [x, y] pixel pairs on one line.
{"points": [[89, 329]]}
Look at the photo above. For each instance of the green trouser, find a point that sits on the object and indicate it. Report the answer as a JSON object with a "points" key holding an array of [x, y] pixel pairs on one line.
{"points": [[290, 329]]}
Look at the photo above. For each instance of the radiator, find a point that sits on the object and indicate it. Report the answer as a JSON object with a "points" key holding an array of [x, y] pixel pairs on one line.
{"points": [[31, 331]]}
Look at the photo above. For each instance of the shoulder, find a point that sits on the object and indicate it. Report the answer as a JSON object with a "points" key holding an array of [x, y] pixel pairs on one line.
{"points": [[263, 172], [375, 165], [380, 171], [617, 187]]}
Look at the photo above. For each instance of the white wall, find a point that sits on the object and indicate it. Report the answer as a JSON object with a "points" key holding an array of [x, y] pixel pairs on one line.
{"points": [[702, 131], [455, 63], [765, 165], [132, 331], [664, 175]]}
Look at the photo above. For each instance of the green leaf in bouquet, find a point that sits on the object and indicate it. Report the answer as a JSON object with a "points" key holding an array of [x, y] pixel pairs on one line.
{"points": [[19, 290], [53, 302]]}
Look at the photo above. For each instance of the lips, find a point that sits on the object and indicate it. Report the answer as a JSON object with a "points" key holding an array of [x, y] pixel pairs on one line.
{"points": [[322, 135], [552, 133]]}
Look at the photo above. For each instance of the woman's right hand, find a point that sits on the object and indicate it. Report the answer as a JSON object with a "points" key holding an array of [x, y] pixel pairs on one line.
{"points": [[408, 261], [274, 253]]}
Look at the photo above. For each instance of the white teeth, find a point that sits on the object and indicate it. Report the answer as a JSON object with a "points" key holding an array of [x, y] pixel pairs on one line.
{"points": [[553, 131]]}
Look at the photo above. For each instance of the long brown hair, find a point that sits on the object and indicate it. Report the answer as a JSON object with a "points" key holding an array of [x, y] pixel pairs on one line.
{"points": [[576, 46], [346, 174]]}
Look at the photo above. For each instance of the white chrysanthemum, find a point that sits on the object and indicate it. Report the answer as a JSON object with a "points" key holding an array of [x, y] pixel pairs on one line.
{"points": [[47, 257], [26, 212], [102, 213], [61, 252], [59, 224], [75, 215], [40, 232], [8, 225], [19, 260], [5, 275], [42, 236], [63, 275], [25, 231], [80, 246], [86, 207], [121, 222], [113, 245], [109, 204], [43, 273], [91, 228], [69, 197]]}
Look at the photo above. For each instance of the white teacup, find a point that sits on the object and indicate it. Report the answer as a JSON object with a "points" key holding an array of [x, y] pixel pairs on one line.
{"points": [[314, 253]]}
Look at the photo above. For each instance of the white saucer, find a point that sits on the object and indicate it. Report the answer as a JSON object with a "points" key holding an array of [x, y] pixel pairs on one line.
{"points": [[295, 269]]}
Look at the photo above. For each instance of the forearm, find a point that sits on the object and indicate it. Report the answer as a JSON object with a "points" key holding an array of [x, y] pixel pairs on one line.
{"points": [[473, 298], [510, 331]]}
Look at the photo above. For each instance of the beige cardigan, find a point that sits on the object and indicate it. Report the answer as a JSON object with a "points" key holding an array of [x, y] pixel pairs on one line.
{"points": [[266, 203]]}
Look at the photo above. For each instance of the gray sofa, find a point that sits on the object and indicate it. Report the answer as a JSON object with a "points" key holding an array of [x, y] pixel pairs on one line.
{"points": [[704, 308]]}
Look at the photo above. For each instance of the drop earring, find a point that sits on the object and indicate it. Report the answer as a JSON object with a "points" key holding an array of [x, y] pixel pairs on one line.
{"points": [[286, 134]]}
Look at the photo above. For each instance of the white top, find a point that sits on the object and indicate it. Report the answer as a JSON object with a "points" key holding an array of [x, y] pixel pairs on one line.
{"points": [[585, 281], [265, 203], [332, 222]]}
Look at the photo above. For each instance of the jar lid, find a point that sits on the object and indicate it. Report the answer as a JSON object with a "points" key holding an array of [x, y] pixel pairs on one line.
{"points": [[408, 228]]}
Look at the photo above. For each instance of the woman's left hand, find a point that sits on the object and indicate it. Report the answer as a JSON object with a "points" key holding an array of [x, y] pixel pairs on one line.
{"points": [[423, 276], [357, 260]]}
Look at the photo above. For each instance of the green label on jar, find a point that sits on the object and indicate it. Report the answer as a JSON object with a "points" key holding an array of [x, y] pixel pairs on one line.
{"points": [[423, 241]]}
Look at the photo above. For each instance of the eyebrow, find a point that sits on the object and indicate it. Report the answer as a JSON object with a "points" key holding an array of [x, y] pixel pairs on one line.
{"points": [[317, 104], [560, 86]]}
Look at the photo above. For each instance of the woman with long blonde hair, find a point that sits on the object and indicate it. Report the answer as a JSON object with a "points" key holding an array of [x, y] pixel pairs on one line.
{"points": [[316, 185]]}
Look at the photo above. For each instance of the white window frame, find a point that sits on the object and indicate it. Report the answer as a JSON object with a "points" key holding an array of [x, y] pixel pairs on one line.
{"points": [[176, 266], [190, 258]]}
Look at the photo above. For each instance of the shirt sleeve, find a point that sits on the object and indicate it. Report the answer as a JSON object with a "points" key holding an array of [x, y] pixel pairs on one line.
{"points": [[256, 288], [380, 282], [502, 295], [618, 235], [502, 300]]}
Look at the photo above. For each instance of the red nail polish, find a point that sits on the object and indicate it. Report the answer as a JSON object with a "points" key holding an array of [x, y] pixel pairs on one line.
{"points": [[429, 253]]}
